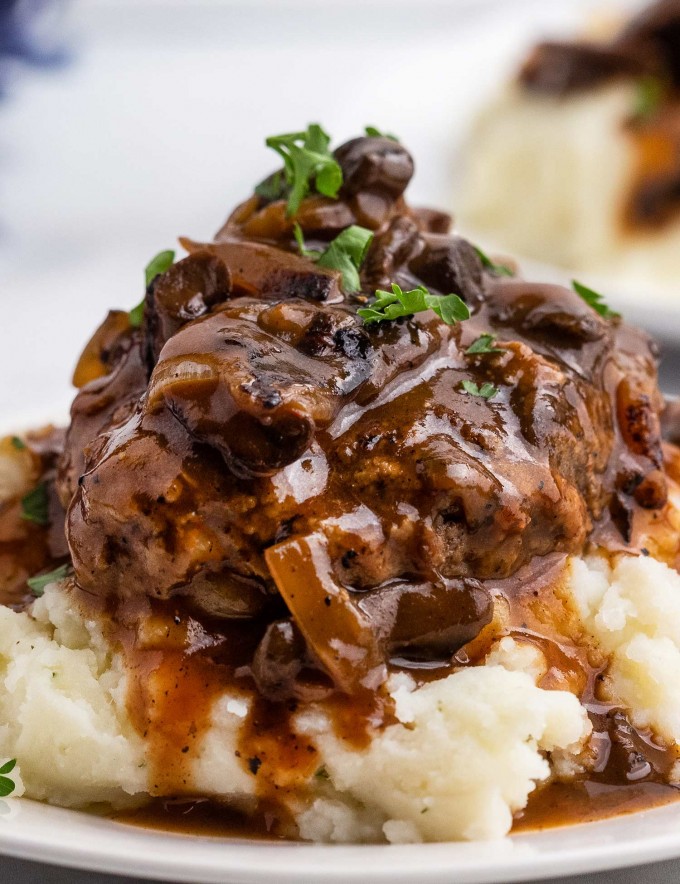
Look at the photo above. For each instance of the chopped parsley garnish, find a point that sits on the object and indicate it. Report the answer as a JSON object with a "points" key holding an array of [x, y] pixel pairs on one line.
{"points": [[484, 344], [35, 505], [137, 314], [345, 253], [159, 264], [37, 584], [486, 391], [322, 773], [595, 300], [7, 785], [273, 187], [500, 269], [18, 443], [372, 132], [300, 240], [648, 97], [391, 305], [307, 160]]}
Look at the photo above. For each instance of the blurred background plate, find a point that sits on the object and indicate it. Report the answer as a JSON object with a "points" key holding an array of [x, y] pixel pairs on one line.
{"points": [[156, 129]]}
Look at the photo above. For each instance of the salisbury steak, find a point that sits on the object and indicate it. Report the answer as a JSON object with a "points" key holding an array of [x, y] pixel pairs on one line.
{"points": [[257, 447]]}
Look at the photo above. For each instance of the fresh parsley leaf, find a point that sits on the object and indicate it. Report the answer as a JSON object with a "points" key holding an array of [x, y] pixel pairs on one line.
{"points": [[137, 314], [372, 132], [391, 305], [595, 300], [35, 505], [649, 95], [300, 240], [500, 269], [159, 264], [37, 584], [18, 443], [306, 159], [484, 344], [486, 391], [345, 253], [273, 187], [7, 785]]}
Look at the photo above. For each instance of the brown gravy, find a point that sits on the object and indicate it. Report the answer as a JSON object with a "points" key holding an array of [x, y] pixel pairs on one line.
{"points": [[566, 804], [202, 817], [555, 805]]}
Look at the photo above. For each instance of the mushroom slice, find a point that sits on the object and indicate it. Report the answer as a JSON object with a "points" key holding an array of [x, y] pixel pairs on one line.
{"points": [[269, 272]]}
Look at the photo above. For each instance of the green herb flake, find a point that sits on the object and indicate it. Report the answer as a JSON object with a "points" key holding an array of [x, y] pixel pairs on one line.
{"points": [[300, 240], [159, 264], [485, 343], [595, 300], [273, 187], [7, 785], [18, 443], [37, 584], [306, 160], [345, 253], [137, 314], [499, 269], [35, 505], [322, 773], [649, 96], [372, 132], [486, 391], [391, 305]]}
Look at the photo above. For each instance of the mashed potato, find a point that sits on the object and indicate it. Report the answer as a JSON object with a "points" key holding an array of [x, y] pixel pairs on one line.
{"points": [[631, 608], [466, 752], [62, 704]]}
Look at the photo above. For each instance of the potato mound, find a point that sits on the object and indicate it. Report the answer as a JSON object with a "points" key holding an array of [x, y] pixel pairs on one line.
{"points": [[465, 752]]}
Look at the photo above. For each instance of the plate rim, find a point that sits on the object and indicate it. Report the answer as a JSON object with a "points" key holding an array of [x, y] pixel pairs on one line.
{"points": [[175, 857]]}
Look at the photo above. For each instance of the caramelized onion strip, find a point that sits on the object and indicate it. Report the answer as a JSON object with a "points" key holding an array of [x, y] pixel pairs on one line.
{"points": [[336, 630]]}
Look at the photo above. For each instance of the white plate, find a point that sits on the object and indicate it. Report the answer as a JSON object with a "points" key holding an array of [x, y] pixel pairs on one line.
{"points": [[34, 831], [158, 131]]}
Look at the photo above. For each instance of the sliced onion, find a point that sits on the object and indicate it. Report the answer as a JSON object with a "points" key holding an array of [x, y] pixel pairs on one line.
{"points": [[336, 630]]}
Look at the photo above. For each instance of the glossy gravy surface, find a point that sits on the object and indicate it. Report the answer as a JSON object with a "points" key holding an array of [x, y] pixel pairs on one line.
{"points": [[555, 805]]}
